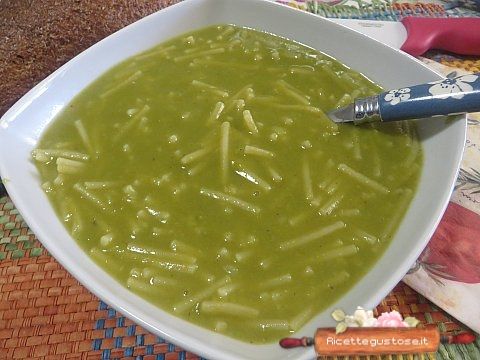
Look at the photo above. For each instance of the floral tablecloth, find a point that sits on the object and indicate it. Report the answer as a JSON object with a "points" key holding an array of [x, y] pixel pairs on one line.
{"points": [[448, 271]]}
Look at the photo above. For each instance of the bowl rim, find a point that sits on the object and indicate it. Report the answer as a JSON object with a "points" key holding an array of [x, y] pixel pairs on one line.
{"points": [[175, 335]]}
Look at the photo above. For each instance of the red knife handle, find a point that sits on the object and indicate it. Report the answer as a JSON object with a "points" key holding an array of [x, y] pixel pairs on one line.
{"points": [[457, 35]]}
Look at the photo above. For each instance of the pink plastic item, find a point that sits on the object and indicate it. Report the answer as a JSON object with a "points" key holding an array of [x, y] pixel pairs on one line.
{"points": [[288, 343], [457, 35]]}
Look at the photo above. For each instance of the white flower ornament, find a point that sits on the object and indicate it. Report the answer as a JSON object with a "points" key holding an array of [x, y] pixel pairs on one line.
{"points": [[365, 318], [396, 96], [455, 86], [361, 318]]}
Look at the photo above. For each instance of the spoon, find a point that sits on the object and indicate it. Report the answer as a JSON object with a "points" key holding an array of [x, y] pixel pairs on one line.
{"points": [[446, 97]]}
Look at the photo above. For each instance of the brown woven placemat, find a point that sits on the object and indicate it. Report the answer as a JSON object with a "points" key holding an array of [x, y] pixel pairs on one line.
{"points": [[38, 36], [46, 314]]}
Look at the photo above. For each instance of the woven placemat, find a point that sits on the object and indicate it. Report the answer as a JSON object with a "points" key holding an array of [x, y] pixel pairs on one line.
{"points": [[45, 313], [387, 10], [468, 64], [37, 37]]}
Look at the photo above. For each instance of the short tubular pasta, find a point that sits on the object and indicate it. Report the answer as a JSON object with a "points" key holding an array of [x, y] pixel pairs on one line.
{"points": [[224, 149], [332, 254], [280, 280], [210, 88], [230, 200], [304, 239], [253, 178], [293, 93], [199, 54], [123, 84], [195, 155], [89, 196], [363, 179], [253, 150], [216, 112], [307, 179], [48, 154], [191, 301], [230, 309], [249, 122]]}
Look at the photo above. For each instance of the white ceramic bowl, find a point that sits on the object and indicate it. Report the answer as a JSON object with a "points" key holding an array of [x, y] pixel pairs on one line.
{"points": [[21, 126]]}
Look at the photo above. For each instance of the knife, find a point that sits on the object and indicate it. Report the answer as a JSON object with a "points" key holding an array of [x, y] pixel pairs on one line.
{"points": [[445, 97], [416, 35]]}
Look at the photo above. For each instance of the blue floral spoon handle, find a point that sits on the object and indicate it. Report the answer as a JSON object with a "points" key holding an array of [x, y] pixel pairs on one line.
{"points": [[445, 97]]}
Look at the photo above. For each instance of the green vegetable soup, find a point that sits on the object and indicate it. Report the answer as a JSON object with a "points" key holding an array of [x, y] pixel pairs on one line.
{"points": [[204, 176]]}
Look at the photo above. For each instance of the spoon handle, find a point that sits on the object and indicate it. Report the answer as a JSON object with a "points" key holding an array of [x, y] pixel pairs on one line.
{"points": [[447, 97]]}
